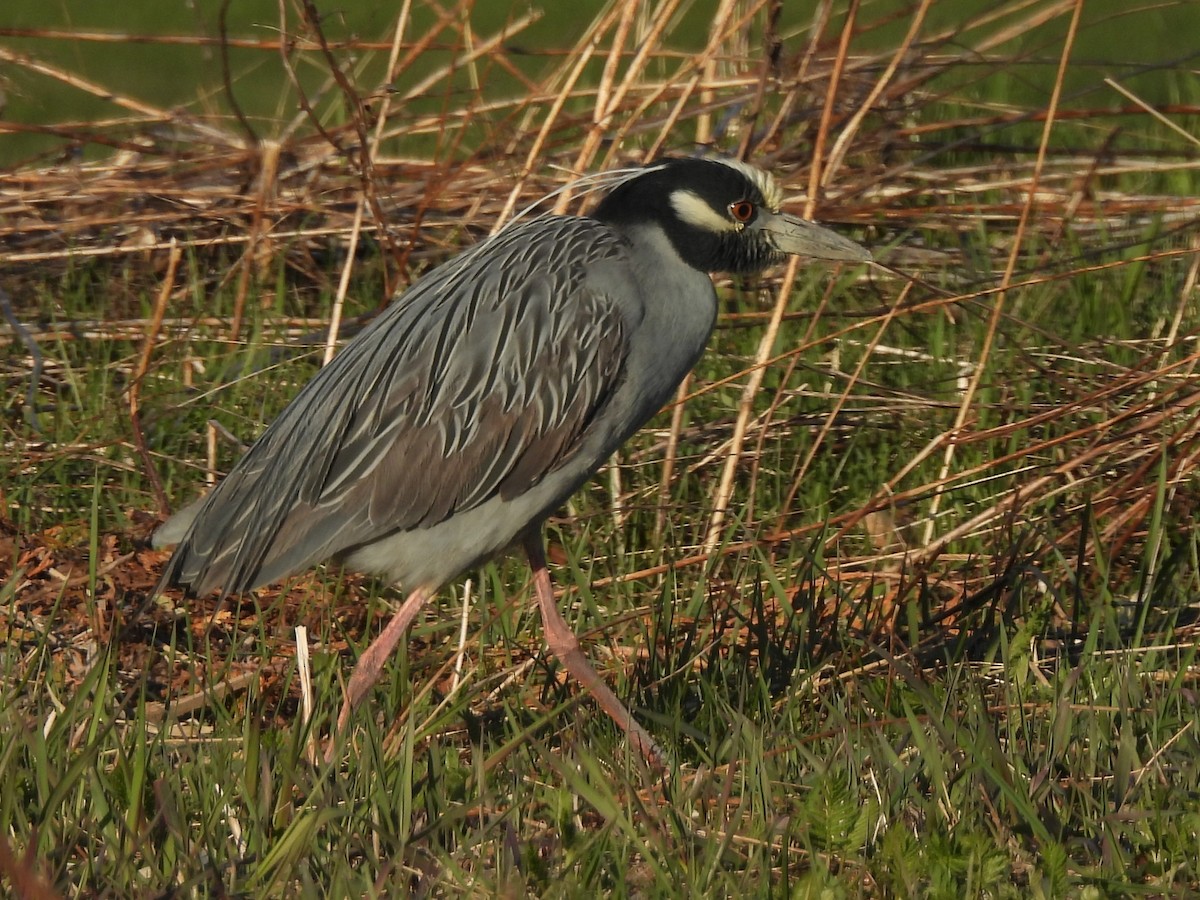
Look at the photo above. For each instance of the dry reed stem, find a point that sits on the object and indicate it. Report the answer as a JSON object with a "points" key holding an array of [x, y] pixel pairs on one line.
{"points": [[607, 99], [670, 456], [84, 36], [717, 33], [339, 297], [1134, 421], [767, 343], [363, 160], [851, 383], [135, 387], [716, 522], [655, 93], [267, 174], [147, 111], [708, 70], [477, 51], [780, 398], [1010, 265], [586, 48], [821, 16], [838, 152]]}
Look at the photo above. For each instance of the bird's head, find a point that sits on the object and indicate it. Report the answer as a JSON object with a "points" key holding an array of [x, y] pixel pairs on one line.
{"points": [[721, 215]]}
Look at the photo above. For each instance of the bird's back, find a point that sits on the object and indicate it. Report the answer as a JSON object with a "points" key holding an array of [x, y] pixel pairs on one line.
{"points": [[478, 382]]}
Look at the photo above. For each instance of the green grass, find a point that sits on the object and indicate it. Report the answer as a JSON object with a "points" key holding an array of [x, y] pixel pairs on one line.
{"points": [[1013, 753], [1014, 715]]}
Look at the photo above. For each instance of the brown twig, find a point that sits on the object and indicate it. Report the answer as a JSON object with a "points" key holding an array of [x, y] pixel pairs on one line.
{"points": [[1010, 267], [766, 344], [227, 74], [135, 387]]}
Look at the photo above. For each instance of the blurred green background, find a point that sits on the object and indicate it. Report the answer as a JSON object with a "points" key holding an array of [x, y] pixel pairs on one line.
{"points": [[1142, 46]]}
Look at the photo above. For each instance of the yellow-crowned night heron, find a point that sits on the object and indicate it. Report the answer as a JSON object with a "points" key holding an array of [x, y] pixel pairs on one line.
{"points": [[486, 394]]}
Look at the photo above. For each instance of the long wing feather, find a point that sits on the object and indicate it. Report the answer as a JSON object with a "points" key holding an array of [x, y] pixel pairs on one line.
{"points": [[479, 381]]}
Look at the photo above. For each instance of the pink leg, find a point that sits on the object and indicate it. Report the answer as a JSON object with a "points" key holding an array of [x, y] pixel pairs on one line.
{"points": [[370, 664], [564, 645]]}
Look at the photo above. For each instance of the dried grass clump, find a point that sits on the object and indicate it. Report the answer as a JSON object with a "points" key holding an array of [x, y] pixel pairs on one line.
{"points": [[860, 140]]}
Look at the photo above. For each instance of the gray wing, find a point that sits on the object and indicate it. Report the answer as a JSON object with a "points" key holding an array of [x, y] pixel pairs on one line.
{"points": [[479, 381]]}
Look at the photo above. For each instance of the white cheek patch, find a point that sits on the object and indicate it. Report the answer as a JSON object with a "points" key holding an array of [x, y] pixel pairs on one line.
{"points": [[693, 210]]}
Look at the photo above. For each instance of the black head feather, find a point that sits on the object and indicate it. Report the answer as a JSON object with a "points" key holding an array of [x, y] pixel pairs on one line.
{"points": [[693, 201]]}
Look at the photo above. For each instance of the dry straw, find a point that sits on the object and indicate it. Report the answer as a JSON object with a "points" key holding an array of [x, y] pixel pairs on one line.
{"points": [[847, 129]]}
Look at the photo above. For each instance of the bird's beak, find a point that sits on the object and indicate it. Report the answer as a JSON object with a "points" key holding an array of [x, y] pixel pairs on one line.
{"points": [[791, 234]]}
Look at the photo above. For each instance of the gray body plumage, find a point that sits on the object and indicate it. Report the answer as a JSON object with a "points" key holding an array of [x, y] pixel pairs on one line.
{"points": [[487, 394], [470, 409]]}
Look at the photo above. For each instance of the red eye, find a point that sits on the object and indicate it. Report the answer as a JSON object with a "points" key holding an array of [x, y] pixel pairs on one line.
{"points": [[742, 211]]}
